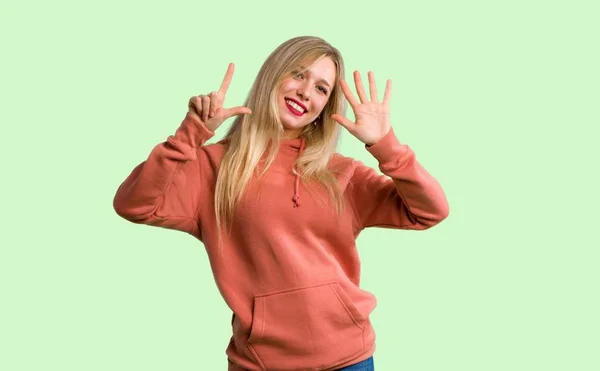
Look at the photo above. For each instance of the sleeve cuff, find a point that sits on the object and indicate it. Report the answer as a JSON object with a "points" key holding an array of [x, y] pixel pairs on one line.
{"points": [[388, 148], [192, 132]]}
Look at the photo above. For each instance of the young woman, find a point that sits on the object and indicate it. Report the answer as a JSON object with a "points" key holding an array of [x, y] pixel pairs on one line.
{"points": [[278, 210]]}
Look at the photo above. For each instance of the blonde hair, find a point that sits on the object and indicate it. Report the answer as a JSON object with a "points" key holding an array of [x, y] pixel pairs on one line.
{"points": [[251, 136]]}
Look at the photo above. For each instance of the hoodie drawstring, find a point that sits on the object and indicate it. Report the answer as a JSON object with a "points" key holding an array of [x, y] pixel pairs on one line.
{"points": [[296, 197]]}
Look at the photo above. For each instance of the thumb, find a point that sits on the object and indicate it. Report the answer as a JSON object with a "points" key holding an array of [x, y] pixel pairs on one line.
{"points": [[349, 125], [240, 110]]}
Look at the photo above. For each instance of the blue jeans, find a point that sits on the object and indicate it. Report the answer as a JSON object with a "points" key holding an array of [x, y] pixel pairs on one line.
{"points": [[366, 365]]}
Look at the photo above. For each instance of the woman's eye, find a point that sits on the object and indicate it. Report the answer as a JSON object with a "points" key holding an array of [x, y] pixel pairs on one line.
{"points": [[299, 76], [322, 89]]}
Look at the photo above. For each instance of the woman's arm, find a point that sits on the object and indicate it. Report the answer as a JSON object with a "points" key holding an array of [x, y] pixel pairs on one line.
{"points": [[165, 189], [405, 197]]}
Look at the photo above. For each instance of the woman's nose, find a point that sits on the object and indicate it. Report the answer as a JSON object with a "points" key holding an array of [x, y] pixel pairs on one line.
{"points": [[303, 91]]}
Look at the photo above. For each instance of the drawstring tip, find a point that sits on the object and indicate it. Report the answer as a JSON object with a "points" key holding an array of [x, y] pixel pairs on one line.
{"points": [[296, 200]]}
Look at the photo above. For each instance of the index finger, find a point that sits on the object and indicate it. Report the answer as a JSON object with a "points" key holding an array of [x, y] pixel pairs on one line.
{"points": [[227, 79], [348, 94]]}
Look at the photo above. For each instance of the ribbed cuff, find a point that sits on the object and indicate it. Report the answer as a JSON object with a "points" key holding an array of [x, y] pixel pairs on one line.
{"points": [[388, 148], [192, 132]]}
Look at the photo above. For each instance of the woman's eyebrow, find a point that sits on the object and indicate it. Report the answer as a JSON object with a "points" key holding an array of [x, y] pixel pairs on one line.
{"points": [[302, 68], [325, 82]]}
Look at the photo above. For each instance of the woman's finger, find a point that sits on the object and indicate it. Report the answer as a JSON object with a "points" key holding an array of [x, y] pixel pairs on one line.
{"points": [[195, 105], [205, 107], [226, 80], [373, 87], [388, 91], [348, 94], [240, 110], [214, 103], [359, 87], [192, 105], [349, 125]]}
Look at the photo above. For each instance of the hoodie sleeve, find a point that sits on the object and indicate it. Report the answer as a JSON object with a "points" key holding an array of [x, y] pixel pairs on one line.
{"points": [[405, 197], [165, 189]]}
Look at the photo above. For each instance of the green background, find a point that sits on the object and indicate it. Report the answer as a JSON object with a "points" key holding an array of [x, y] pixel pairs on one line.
{"points": [[499, 100]]}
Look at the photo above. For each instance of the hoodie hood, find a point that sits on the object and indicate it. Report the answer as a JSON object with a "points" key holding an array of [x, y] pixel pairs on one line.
{"points": [[296, 145]]}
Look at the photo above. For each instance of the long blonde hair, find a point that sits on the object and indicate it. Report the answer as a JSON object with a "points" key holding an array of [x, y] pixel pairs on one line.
{"points": [[250, 136]]}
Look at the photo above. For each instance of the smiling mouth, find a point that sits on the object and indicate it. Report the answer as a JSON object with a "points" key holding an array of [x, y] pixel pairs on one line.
{"points": [[295, 108]]}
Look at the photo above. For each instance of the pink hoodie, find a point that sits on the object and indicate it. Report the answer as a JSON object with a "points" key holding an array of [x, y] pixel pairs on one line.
{"points": [[290, 270]]}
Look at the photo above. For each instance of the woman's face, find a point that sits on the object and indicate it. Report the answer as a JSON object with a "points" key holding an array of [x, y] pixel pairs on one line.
{"points": [[302, 96]]}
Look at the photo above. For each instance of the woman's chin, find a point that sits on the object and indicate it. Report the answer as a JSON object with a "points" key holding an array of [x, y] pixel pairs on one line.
{"points": [[293, 125], [292, 131]]}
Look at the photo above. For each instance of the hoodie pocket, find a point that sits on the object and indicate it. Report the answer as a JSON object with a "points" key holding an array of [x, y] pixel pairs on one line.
{"points": [[314, 328]]}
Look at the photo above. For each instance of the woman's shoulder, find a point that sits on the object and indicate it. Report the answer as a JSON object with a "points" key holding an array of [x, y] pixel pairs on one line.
{"points": [[350, 167], [341, 163]]}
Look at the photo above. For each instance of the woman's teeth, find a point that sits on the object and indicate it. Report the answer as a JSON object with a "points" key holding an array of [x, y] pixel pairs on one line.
{"points": [[295, 106]]}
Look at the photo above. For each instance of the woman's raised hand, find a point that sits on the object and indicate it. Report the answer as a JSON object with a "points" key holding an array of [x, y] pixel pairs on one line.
{"points": [[209, 108], [372, 118]]}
